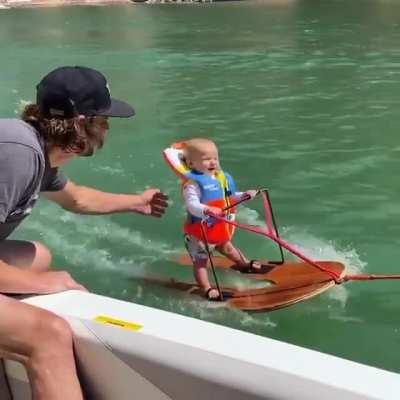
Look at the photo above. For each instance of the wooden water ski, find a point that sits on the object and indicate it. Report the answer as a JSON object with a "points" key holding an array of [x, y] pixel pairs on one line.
{"points": [[292, 282]]}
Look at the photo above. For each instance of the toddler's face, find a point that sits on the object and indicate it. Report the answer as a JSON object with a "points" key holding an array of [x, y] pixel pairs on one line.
{"points": [[205, 160]]}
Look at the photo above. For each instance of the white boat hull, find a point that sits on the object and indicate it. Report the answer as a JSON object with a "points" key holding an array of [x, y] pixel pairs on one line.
{"points": [[150, 354]]}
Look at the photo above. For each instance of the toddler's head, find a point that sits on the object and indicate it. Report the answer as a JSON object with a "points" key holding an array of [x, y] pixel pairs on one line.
{"points": [[202, 155]]}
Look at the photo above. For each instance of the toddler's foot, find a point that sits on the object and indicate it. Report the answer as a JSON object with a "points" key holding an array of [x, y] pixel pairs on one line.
{"points": [[253, 267], [212, 294]]}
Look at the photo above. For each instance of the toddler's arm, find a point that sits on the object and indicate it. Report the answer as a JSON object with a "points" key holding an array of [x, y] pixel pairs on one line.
{"points": [[191, 197]]}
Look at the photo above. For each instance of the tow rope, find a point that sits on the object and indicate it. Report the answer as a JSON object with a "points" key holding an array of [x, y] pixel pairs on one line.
{"points": [[271, 232]]}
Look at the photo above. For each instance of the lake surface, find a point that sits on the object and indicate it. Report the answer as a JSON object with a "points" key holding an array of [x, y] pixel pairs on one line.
{"points": [[302, 97]]}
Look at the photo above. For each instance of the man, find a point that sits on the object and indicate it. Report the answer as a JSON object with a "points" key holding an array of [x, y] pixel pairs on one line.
{"points": [[69, 119]]}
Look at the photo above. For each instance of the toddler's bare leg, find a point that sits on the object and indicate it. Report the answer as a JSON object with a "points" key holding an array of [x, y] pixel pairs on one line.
{"points": [[236, 255], [201, 274], [233, 253]]}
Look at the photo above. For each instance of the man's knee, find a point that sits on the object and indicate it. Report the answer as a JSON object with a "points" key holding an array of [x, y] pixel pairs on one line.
{"points": [[43, 257], [51, 343], [53, 332], [27, 255]]}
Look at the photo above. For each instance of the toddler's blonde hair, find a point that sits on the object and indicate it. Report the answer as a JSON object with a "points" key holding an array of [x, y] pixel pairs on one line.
{"points": [[196, 146]]}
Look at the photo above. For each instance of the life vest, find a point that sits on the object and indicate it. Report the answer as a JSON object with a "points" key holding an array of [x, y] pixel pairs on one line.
{"points": [[215, 191]]}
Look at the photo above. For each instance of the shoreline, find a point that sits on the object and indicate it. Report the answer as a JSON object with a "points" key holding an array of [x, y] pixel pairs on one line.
{"points": [[7, 4], [10, 4]]}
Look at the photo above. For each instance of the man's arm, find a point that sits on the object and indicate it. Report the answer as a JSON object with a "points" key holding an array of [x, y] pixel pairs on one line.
{"points": [[25, 281], [86, 200]]}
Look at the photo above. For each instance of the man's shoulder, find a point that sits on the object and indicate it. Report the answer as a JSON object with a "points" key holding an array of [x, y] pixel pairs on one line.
{"points": [[16, 131], [14, 123]]}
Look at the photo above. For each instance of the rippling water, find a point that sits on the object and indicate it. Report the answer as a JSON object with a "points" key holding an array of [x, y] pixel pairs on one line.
{"points": [[301, 96]]}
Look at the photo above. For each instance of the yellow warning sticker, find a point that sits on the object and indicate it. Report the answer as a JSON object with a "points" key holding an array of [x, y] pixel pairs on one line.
{"points": [[103, 319]]}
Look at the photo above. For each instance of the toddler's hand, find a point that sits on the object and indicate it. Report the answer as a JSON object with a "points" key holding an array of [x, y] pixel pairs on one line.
{"points": [[250, 194], [214, 211]]}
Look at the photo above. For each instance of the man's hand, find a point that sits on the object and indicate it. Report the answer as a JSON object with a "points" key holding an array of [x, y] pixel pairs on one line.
{"points": [[57, 281], [154, 203]]}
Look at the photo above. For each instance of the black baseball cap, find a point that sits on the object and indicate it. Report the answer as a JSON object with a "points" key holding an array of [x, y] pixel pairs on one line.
{"points": [[70, 91]]}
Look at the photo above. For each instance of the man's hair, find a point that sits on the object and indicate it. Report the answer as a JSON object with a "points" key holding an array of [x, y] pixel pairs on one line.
{"points": [[63, 133]]}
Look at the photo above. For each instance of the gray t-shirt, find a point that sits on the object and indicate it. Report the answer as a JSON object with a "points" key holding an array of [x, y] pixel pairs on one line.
{"points": [[24, 172]]}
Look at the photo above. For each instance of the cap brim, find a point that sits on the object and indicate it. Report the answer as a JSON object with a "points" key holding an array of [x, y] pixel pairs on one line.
{"points": [[119, 109]]}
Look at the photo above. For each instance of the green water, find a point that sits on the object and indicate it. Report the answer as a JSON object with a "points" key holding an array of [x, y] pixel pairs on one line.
{"points": [[301, 96]]}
